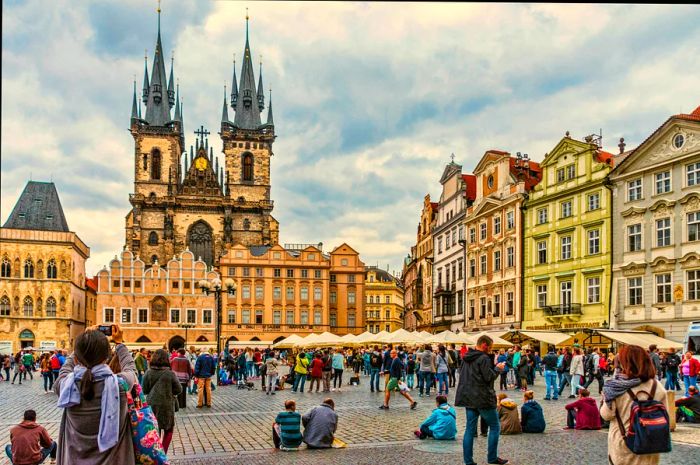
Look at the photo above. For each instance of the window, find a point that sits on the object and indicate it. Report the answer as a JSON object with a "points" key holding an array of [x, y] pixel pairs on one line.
{"points": [[259, 291], [510, 220], [663, 232], [317, 294], [439, 243], [290, 293], [634, 291], [471, 309], [482, 231], [663, 182], [566, 209], [571, 172], [541, 295], [593, 202], [28, 268], [304, 273], [344, 262], [277, 317], [305, 317], [497, 225], [277, 273], [5, 306], [693, 284], [472, 268], [542, 252], [174, 315], [317, 274], [304, 293], [245, 316], [277, 292], [289, 318], [678, 141], [351, 278], [593, 287], [561, 176], [497, 260], [460, 268], [108, 315], [510, 303], [448, 243], [259, 272], [206, 316], [634, 237], [387, 299], [351, 320], [482, 307], [290, 273], [334, 297], [245, 293], [634, 190], [565, 248], [153, 238], [246, 272], [472, 235], [497, 305], [50, 307], [565, 293], [510, 257], [231, 315], [692, 172], [126, 315], [192, 315], [663, 288], [351, 297], [51, 268], [317, 317], [542, 216], [155, 164], [142, 314], [694, 226], [593, 241], [482, 264], [247, 167]]}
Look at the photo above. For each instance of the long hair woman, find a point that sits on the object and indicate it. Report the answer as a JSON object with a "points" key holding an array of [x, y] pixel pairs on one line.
{"points": [[162, 387], [95, 427]]}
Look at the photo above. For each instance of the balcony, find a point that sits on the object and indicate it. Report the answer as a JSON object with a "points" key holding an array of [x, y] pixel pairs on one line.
{"points": [[448, 289], [562, 310]]}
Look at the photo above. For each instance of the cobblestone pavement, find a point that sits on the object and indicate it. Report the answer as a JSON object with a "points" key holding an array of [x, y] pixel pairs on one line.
{"points": [[238, 429]]}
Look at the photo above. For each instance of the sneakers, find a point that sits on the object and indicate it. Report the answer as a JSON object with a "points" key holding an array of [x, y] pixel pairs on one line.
{"points": [[417, 433], [572, 396], [546, 398], [413, 405], [383, 407], [500, 461]]}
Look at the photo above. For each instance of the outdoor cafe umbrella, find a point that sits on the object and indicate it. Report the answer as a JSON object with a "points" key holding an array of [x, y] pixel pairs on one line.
{"points": [[288, 342]]}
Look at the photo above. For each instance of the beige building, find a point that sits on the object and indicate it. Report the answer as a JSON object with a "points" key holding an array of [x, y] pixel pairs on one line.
{"points": [[42, 279], [152, 303], [296, 289], [384, 304]]}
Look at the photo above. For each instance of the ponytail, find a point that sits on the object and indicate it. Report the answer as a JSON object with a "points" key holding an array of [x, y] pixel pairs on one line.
{"points": [[87, 389]]}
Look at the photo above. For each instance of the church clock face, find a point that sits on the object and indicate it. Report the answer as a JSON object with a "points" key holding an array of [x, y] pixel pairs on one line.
{"points": [[200, 163]]}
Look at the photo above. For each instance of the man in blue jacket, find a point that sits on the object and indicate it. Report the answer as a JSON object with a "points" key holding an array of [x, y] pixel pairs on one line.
{"points": [[441, 424], [204, 369]]}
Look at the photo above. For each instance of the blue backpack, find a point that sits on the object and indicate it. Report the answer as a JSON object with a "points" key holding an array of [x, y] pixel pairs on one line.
{"points": [[649, 431]]}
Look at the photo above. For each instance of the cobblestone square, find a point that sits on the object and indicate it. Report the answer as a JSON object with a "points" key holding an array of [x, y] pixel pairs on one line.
{"points": [[237, 429]]}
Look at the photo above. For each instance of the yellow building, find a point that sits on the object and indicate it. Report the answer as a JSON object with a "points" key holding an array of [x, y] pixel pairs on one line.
{"points": [[568, 239], [384, 306], [296, 289], [42, 280]]}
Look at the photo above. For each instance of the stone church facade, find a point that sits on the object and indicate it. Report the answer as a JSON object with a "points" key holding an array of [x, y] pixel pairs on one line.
{"points": [[188, 201]]}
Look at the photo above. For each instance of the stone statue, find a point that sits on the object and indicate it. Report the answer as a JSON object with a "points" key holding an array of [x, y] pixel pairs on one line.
{"points": [[228, 229], [168, 227]]}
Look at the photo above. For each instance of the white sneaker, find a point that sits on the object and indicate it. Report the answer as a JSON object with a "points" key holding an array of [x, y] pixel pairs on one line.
{"points": [[332, 389]]}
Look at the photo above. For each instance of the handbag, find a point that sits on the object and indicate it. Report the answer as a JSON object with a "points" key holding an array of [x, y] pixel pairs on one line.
{"points": [[148, 447]]}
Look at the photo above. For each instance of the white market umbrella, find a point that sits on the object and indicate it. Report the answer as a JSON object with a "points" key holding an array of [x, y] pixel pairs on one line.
{"points": [[288, 342]]}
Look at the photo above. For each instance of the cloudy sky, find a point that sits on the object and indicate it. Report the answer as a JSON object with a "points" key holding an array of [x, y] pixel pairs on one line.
{"points": [[370, 99]]}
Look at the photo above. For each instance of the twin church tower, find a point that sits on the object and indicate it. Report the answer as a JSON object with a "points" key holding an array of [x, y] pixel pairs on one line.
{"points": [[185, 199]]}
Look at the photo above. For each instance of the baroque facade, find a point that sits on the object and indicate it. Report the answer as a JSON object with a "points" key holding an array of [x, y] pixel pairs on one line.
{"points": [[42, 276], [494, 227], [568, 238], [384, 305], [656, 261], [193, 202]]}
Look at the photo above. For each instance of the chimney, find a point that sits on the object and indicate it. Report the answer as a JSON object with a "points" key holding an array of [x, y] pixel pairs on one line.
{"points": [[622, 144]]}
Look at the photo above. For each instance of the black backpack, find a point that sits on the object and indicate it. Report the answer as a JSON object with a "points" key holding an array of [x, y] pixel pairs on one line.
{"points": [[672, 361], [649, 431]]}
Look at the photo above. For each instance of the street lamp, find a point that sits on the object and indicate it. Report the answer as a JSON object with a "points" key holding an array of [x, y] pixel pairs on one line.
{"points": [[214, 287], [186, 326]]}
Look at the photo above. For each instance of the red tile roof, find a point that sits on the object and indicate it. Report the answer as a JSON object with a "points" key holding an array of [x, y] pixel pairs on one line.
{"points": [[535, 173], [470, 181], [91, 283], [605, 157], [694, 116]]}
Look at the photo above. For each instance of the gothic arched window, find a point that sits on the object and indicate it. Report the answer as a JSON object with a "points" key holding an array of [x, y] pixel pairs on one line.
{"points": [[153, 238], [28, 306], [51, 270], [155, 164], [6, 271], [28, 268], [199, 240], [5, 306], [50, 306], [247, 167]]}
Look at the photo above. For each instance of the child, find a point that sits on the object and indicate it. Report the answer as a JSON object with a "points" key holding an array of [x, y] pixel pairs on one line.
{"points": [[531, 415], [441, 424], [584, 413], [508, 414], [286, 430]]}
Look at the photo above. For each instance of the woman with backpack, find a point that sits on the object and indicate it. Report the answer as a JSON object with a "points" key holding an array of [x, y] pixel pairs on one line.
{"points": [[636, 377], [161, 387]]}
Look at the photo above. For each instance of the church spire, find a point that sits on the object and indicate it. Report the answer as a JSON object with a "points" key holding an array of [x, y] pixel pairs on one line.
{"points": [[171, 90], [144, 96], [158, 108], [247, 109], [270, 122], [178, 116], [261, 89], [224, 112], [134, 106], [234, 86]]}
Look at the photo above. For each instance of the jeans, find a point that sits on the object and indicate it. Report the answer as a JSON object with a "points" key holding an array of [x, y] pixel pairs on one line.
{"points": [[410, 380], [425, 379], [575, 384], [442, 383], [7, 374], [503, 383], [299, 379], [374, 379], [550, 379], [672, 381], [337, 376], [140, 376], [271, 382], [567, 380], [491, 417], [45, 452], [47, 380], [250, 368], [689, 381], [367, 367], [571, 418]]}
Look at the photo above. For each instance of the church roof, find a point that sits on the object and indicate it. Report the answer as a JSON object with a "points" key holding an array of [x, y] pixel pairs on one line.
{"points": [[247, 105], [38, 208]]}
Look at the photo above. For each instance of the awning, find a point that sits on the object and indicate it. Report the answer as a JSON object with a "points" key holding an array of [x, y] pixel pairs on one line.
{"points": [[641, 338], [550, 337]]}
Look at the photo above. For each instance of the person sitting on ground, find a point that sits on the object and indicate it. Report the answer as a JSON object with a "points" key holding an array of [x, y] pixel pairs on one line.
{"points": [[583, 413], [508, 415], [441, 424], [30, 442], [286, 430], [320, 424], [531, 415], [689, 407]]}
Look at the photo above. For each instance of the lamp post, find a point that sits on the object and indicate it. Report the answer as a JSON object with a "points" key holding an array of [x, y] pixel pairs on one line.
{"points": [[186, 326], [215, 287]]}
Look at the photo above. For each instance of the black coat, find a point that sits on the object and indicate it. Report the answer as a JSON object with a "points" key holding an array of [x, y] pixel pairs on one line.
{"points": [[476, 377]]}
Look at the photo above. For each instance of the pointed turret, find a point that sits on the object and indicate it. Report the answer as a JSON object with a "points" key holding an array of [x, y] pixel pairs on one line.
{"points": [[234, 86], [134, 105], [158, 108], [270, 121], [178, 116], [144, 95], [247, 109], [261, 91], [224, 112], [171, 89]]}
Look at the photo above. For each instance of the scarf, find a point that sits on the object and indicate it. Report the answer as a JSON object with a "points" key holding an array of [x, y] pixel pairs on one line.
{"points": [[617, 386], [108, 434]]}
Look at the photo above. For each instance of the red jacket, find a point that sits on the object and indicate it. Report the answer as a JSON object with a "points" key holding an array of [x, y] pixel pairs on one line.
{"points": [[587, 414], [317, 368], [27, 440], [694, 366]]}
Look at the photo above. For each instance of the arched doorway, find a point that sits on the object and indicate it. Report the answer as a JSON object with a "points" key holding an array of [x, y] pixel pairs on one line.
{"points": [[143, 339], [175, 343], [278, 339], [26, 338], [202, 339], [199, 240]]}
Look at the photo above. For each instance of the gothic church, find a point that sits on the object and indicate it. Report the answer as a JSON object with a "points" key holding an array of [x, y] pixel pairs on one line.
{"points": [[187, 200]]}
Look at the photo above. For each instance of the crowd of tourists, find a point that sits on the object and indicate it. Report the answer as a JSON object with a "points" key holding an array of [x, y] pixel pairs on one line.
{"points": [[99, 383]]}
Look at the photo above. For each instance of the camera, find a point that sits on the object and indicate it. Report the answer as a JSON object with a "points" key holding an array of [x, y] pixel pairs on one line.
{"points": [[105, 329]]}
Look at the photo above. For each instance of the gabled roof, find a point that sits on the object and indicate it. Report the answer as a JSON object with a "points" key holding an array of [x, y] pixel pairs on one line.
{"points": [[470, 190], [488, 157], [534, 173], [450, 170], [38, 208]]}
